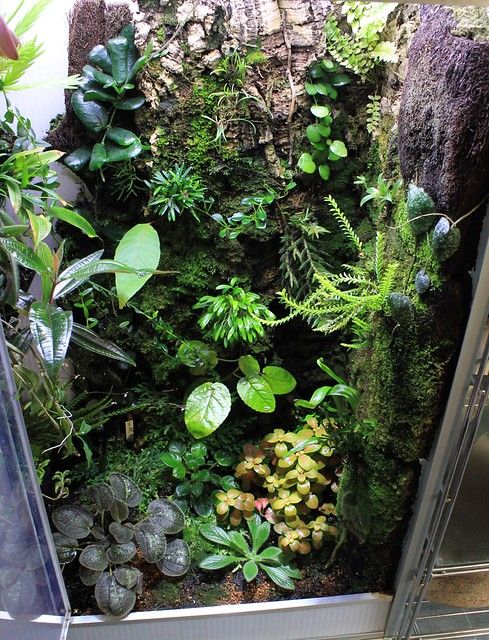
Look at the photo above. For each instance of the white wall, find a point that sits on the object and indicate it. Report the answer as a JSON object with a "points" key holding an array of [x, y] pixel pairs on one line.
{"points": [[41, 105]]}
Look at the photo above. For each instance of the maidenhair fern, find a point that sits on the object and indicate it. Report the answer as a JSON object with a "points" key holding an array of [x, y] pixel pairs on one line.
{"points": [[362, 48], [347, 299], [302, 253]]}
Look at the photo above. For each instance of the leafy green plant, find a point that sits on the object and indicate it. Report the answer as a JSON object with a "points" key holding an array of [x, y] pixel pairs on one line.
{"points": [[175, 191], [302, 253], [209, 404], [382, 193], [195, 471], [234, 315], [361, 49], [114, 538], [124, 181], [85, 302], [373, 115], [234, 67], [107, 88], [249, 555], [323, 82], [355, 294]]}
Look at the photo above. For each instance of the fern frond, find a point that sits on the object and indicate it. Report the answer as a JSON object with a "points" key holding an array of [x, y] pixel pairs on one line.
{"points": [[379, 255], [344, 223], [386, 285], [373, 115]]}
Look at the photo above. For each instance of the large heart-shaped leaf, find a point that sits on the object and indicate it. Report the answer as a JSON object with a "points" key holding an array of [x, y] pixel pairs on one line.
{"points": [[168, 514], [256, 393], [92, 115], [112, 598], [90, 341], [51, 331], [206, 408], [151, 539], [72, 521], [125, 489], [140, 249], [280, 380], [176, 560], [94, 557]]}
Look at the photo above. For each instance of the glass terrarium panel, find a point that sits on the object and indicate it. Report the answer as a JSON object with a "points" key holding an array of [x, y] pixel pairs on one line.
{"points": [[32, 601]]}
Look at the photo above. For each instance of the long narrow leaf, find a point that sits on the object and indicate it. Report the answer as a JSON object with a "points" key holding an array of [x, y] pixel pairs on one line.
{"points": [[90, 341], [67, 282], [51, 331]]}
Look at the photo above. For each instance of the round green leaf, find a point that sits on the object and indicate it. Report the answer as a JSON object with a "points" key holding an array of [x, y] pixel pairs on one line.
{"points": [[320, 111], [306, 163], [151, 539], [171, 459], [125, 489], [206, 408], [195, 353], [127, 576], [313, 133], [121, 532], [310, 88], [88, 576], [116, 153], [323, 129], [338, 148], [72, 521], [256, 393], [121, 553], [280, 380], [78, 159], [94, 557], [339, 79], [101, 496], [122, 137], [168, 514]]}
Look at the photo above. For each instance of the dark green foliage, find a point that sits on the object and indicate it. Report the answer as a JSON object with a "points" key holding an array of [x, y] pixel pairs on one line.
{"points": [[175, 191], [446, 239], [106, 89], [116, 539], [195, 470], [422, 282]]}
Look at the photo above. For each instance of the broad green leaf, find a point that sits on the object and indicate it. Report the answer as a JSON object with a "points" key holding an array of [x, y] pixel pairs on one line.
{"points": [[94, 557], [338, 148], [238, 542], [250, 570], [323, 129], [176, 560], [171, 459], [73, 218], [47, 157], [118, 49], [127, 576], [197, 354], [122, 137], [339, 79], [72, 521], [279, 576], [15, 195], [100, 495], [22, 254], [115, 153], [215, 534], [51, 331], [260, 532], [306, 163], [131, 104], [119, 510], [206, 408], [324, 171], [151, 539], [256, 393], [100, 57], [98, 94], [218, 562], [78, 159], [249, 365], [92, 115], [120, 553], [310, 88], [13, 230], [121, 532], [40, 228], [98, 157], [280, 380], [112, 598], [270, 554], [88, 577], [139, 249], [323, 88], [320, 111]]}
